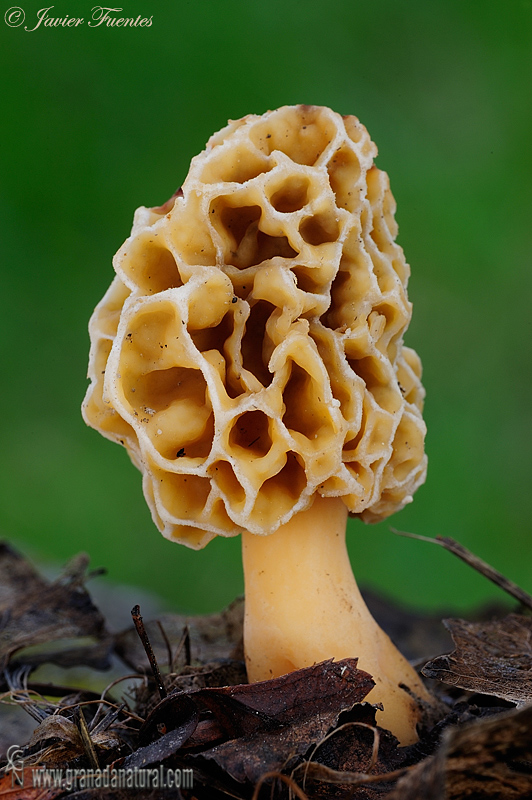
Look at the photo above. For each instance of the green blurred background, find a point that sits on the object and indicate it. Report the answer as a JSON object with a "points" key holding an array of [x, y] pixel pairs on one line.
{"points": [[97, 121]]}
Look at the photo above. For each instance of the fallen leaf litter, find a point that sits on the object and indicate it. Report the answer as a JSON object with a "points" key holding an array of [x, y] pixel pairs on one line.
{"points": [[308, 734]]}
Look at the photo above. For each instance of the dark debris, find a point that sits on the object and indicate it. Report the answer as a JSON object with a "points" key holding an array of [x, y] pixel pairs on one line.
{"points": [[308, 734]]}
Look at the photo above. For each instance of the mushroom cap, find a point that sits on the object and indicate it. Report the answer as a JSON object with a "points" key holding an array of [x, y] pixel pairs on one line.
{"points": [[249, 352]]}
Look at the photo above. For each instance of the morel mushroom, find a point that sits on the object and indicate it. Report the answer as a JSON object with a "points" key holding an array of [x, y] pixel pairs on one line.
{"points": [[249, 356]]}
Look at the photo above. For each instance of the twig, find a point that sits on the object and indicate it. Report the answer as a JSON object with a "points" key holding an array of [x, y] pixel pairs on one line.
{"points": [[285, 779], [183, 642], [103, 702], [375, 750], [86, 740], [107, 721], [476, 563], [167, 643], [322, 773], [143, 636]]}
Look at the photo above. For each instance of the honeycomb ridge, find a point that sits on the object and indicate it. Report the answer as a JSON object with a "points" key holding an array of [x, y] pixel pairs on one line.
{"points": [[249, 352]]}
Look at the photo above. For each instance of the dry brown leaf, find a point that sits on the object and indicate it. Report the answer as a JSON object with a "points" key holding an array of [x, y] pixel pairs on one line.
{"points": [[58, 615], [289, 714], [487, 759], [491, 658]]}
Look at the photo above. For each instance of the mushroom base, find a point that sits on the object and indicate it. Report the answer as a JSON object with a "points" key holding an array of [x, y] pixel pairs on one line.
{"points": [[303, 606]]}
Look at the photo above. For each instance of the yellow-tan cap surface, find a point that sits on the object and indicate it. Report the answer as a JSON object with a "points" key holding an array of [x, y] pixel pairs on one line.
{"points": [[249, 352]]}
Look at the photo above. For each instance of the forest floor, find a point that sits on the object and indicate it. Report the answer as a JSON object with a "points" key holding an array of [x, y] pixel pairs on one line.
{"points": [[176, 707]]}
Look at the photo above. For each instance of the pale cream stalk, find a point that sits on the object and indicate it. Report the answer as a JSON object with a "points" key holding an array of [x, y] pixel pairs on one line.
{"points": [[303, 606]]}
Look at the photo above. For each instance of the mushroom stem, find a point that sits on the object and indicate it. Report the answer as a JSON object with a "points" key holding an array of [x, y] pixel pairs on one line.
{"points": [[303, 606]]}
